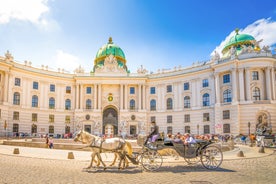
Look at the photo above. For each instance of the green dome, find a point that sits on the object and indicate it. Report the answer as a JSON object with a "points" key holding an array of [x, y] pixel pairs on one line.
{"points": [[238, 40], [108, 49]]}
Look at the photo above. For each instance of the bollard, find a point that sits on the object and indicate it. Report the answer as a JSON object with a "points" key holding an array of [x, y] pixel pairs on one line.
{"points": [[70, 155], [16, 151], [261, 150], [240, 154]]}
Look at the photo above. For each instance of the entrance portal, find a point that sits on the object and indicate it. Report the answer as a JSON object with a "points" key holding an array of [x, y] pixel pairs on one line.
{"points": [[110, 122]]}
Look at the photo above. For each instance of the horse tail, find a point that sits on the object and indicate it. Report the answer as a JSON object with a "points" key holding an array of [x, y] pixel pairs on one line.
{"points": [[129, 148]]}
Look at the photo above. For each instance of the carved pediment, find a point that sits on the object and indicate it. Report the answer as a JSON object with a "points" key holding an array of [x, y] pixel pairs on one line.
{"points": [[110, 65]]}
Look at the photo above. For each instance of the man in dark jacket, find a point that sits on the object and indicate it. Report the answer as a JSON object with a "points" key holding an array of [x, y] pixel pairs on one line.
{"points": [[154, 133]]}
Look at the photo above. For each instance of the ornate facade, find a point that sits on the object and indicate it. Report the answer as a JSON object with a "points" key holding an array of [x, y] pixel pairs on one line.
{"points": [[230, 94]]}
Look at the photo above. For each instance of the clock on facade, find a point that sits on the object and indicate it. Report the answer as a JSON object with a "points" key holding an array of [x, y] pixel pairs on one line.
{"points": [[87, 117]]}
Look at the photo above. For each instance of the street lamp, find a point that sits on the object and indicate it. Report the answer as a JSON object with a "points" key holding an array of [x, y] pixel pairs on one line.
{"points": [[197, 129], [249, 124]]}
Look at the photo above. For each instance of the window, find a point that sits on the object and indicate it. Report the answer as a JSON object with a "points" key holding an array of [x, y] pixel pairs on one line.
{"points": [[186, 86], [132, 90], [226, 114], [226, 78], [187, 103], [169, 88], [169, 104], [256, 94], [169, 130], [152, 90], [15, 127], [88, 104], [169, 119], [206, 100], [205, 83], [88, 90], [187, 129], [16, 98], [132, 104], [52, 88], [67, 129], [67, 119], [68, 89], [227, 96], [34, 128], [67, 104], [152, 118], [51, 118], [226, 128], [255, 75], [35, 85], [51, 103], [17, 82], [153, 105], [51, 129], [34, 117], [206, 117], [187, 118], [15, 115], [206, 129], [34, 101]]}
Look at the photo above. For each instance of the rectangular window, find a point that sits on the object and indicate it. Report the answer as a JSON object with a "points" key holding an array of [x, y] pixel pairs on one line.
{"points": [[226, 114], [169, 130], [255, 75], [169, 119], [51, 118], [15, 115], [206, 117], [34, 117], [67, 119], [187, 118], [205, 83], [35, 85], [17, 82], [132, 90], [226, 78], [152, 90], [169, 88], [186, 86], [68, 89], [88, 90], [226, 128], [152, 118], [52, 88], [206, 129]]}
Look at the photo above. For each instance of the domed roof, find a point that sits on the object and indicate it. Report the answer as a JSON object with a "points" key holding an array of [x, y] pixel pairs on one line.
{"points": [[237, 40], [107, 49]]}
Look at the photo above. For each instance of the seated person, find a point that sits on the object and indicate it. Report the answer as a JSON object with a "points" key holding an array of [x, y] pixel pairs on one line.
{"points": [[154, 134], [189, 140]]}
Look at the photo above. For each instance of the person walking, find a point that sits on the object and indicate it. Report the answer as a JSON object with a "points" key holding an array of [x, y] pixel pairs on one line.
{"points": [[47, 141], [51, 143]]}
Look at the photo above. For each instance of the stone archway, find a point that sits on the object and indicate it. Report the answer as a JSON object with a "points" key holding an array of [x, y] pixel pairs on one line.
{"points": [[110, 122]]}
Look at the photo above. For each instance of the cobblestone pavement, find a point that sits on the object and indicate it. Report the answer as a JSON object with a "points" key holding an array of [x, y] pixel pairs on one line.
{"points": [[14, 169]]}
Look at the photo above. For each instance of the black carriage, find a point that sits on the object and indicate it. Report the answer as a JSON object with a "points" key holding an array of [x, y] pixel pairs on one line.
{"points": [[204, 151]]}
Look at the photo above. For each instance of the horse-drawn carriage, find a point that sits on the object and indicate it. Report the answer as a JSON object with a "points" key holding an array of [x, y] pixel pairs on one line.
{"points": [[202, 151]]}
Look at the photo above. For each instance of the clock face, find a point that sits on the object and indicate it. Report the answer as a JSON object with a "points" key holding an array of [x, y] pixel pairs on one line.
{"points": [[133, 117], [110, 98], [87, 117]]}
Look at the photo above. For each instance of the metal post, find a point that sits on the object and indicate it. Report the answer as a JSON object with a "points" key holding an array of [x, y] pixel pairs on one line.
{"points": [[197, 129], [249, 128]]}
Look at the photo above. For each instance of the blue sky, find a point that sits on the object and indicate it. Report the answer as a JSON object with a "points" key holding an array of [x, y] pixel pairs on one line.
{"points": [[154, 33]]}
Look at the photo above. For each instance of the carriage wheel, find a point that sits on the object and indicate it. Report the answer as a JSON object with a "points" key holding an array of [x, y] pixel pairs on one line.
{"points": [[192, 161], [151, 160], [211, 157]]}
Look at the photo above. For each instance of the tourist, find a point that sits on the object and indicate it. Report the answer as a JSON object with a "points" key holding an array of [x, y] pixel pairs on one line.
{"points": [[189, 140], [47, 140], [155, 132], [51, 143]]}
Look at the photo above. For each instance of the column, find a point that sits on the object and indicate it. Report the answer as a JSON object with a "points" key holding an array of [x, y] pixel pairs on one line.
{"points": [[77, 96], [6, 89], [95, 96], [247, 84], [144, 97], [100, 96], [121, 96], [241, 83], [125, 96], [193, 97], [273, 84], [81, 96], [217, 86], [180, 98], [234, 85], [268, 82], [139, 96]]}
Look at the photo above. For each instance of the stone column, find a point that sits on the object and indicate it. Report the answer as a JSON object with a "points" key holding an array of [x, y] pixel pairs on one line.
{"points": [[6, 89], [125, 97], [180, 98], [193, 97], [81, 96], [77, 96], [268, 82], [144, 97], [99, 96], [217, 86], [121, 96], [95, 96], [139, 96], [273, 84], [247, 84], [234, 85], [241, 83]]}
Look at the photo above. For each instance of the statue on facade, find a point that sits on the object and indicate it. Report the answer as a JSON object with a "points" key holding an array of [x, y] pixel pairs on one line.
{"points": [[8, 56], [266, 49], [142, 70], [216, 56], [262, 125]]}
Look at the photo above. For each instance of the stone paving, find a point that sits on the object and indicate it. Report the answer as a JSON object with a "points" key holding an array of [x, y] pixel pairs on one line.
{"points": [[46, 169]]}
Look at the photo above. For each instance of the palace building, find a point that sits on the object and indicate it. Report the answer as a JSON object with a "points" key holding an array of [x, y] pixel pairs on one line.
{"points": [[232, 93]]}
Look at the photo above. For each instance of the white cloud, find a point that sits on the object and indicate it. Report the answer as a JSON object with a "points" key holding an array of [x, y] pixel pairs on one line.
{"points": [[261, 29], [66, 61], [33, 11]]}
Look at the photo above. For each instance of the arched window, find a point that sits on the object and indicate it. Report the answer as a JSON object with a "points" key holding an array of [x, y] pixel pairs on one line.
{"points": [[206, 100], [153, 105], [132, 104], [169, 104], [34, 101], [67, 104], [256, 94], [88, 104], [187, 103], [227, 96], [16, 98], [51, 103]]}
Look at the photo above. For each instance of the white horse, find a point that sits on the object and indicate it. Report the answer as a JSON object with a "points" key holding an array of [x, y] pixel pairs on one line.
{"points": [[99, 145]]}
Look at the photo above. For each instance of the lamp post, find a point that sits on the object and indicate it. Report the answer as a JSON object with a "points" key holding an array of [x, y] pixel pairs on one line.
{"points": [[249, 124], [197, 129]]}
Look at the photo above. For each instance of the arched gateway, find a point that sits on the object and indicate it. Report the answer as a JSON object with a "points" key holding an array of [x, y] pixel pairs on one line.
{"points": [[110, 122]]}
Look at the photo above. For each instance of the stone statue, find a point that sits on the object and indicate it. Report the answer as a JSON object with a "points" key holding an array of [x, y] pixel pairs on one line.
{"points": [[266, 49], [262, 125]]}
